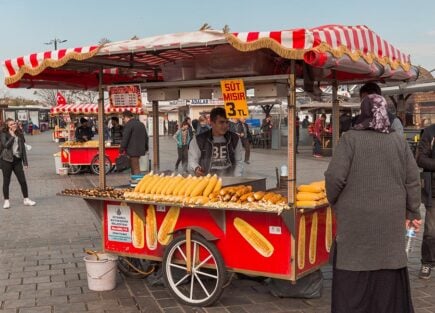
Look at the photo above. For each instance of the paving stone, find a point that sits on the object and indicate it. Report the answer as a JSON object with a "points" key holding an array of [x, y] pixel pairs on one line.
{"points": [[70, 308], [37, 279], [52, 300], [64, 278], [67, 291], [167, 303], [40, 309], [37, 268], [19, 303], [51, 285], [23, 275], [35, 293], [107, 304], [173, 310], [14, 295], [28, 287], [84, 297]]}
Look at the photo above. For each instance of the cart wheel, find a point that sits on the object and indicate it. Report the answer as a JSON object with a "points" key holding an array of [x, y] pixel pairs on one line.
{"points": [[95, 167], [203, 285], [124, 266], [74, 169]]}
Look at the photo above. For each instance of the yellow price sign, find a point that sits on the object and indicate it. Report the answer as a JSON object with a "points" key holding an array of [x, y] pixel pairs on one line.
{"points": [[233, 92]]}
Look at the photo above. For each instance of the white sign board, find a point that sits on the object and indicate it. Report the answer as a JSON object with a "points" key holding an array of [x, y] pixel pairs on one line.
{"points": [[22, 115], [119, 223], [161, 126]]}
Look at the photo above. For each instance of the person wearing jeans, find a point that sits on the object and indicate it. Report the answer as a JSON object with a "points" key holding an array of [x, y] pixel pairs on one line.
{"points": [[13, 157]]}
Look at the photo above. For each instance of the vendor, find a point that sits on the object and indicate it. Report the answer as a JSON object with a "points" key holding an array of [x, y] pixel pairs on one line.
{"points": [[83, 132], [116, 131], [218, 150]]}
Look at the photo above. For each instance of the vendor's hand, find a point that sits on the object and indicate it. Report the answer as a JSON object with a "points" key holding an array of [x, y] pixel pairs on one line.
{"points": [[242, 135], [199, 171], [414, 223]]}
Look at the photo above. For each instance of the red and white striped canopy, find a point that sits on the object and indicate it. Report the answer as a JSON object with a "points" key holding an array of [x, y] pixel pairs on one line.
{"points": [[353, 52], [91, 108]]}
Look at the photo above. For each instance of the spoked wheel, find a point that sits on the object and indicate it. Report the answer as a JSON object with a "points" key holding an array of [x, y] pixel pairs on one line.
{"points": [[95, 167], [74, 169], [202, 284], [130, 266]]}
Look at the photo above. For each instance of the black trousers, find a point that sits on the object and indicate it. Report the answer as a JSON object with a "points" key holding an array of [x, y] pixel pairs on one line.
{"points": [[428, 244], [15, 166], [183, 155]]}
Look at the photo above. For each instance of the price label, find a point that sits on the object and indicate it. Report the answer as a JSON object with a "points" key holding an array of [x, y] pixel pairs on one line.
{"points": [[160, 208], [275, 230], [233, 92]]}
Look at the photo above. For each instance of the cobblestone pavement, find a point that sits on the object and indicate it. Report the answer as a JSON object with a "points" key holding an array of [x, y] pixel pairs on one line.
{"points": [[41, 249]]}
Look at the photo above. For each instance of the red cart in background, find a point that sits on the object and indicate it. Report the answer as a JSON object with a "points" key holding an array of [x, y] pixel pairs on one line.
{"points": [[76, 156]]}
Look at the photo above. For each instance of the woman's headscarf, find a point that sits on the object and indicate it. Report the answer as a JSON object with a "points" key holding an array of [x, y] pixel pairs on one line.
{"points": [[374, 115]]}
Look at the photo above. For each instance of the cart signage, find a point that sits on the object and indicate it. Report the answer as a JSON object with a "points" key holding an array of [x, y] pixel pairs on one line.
{"points": [[233, 92], [119, 223], [22, 115], [160, 208], [275, 230], [125, 96]]}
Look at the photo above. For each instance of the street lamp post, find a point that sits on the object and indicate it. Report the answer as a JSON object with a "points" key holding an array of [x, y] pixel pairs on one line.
{"points": [[54, 42]]}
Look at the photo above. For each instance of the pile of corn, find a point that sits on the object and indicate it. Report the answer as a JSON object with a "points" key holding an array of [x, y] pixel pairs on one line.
{"points": [[312, 195], [203, 191], [87, 144]]}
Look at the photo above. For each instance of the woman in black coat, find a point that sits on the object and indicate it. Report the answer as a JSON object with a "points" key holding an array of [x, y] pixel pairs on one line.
{"points": [[12, 158]]}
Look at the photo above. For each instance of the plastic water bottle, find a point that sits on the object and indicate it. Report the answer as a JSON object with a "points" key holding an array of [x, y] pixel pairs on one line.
{"points": [[410, 235]]}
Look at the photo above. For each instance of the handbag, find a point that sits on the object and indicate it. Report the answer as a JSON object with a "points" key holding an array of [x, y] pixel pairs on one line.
{"points": [[7, 155], [122, 163]]}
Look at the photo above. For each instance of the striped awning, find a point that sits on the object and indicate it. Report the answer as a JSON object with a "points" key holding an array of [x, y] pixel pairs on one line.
{"points": [[91, 108], [355, 52]]}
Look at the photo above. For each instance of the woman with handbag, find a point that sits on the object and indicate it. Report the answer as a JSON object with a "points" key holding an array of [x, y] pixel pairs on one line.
{"points": [[12, 159]]}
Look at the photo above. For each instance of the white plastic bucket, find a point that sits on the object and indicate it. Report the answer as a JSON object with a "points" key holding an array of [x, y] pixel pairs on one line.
{"points": [[63, 171], [57, 162], [102, 273]]}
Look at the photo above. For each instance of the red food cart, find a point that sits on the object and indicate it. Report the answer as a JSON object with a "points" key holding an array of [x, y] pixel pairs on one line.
{"points": [[203, 243], [76, 155]]}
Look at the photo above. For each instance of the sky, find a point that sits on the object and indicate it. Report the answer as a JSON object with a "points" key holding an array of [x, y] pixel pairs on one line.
{"points": [[26, 25]]}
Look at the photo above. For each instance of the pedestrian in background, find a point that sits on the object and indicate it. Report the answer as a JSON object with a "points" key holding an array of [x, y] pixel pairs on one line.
{"points": [[182, 137], [319, 126], [266, 129], [13, 157], [202, 125], [242, 129], [426, 160], [134, 140], [373, 185], [297, 129]]}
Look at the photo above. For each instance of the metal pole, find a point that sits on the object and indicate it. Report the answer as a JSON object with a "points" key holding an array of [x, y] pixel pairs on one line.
{"points": [[291, 117], [335, 119], [156, 148], [101, 148]]}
